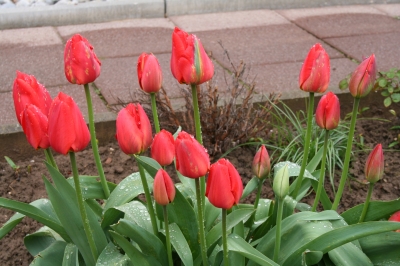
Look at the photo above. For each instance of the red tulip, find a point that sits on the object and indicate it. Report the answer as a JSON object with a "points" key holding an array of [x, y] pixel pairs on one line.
{"points": [[374, 165], [149, 73], [27, 90], [192, 159], [81, 65], [327, 114], [163, 148], [67, 129], [163, 188], [363, 78], [189, 62], [133, 129], [395, 218], [34, 123], [261, 165], [315, 72], [224, 185]]}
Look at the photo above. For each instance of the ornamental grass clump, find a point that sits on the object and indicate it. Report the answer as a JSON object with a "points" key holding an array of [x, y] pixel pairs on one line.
{"points": [[200, 220]]}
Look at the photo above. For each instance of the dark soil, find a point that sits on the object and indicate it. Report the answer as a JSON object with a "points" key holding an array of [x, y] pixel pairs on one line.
{"points": [[26, 185]]}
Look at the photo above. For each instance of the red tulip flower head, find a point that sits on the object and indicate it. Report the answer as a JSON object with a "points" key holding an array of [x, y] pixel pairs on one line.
{"points": [[192, 159], [315, 72], [395, 217], [149, 73], [189, 62], [363, 78], [224, 185], [374, 165], [27, 90], [81, 65], [67, 128], [163, 148], [163, 188], [261, 165], [34, 123], [133, 129], [327, 114]]}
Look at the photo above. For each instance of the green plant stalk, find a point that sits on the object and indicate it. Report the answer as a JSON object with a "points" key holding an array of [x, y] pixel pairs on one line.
{"points": [[93, 141], [201, 223], [322, 172], [260, 184], [154, 110], [278, 230], [50, 158], [82, 209], [346, 163], [365, 209], [148, 199], [167, 239], [224, 239], [306, 145]]}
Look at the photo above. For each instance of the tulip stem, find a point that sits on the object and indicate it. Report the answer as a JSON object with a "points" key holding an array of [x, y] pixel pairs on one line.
{"points": [[82, 208], [224, 240], [278, 230], [346, 163], [154, 110], [306, 145], [322, 172], [366, 204], [93, 141], [260, 184], [167, 239], [201, 223], [149, 202], [50, 158]]}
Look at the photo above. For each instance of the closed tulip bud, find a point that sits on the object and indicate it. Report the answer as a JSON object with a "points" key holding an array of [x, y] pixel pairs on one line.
{"points": [[26, 90], [163, 148], [67, 128], [315, 72], [395, 218], [224, 185], [281, 183], [134, 134], [192, 159], [81, 65], [327, 114], [261, 163], [149, 73], [374, 165], [363, 78], [189, 62], [163, 188], [34, 123]]}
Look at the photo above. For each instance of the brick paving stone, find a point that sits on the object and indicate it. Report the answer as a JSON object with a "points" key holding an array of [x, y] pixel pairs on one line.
{"points": [[29, 37], [391, 10]]}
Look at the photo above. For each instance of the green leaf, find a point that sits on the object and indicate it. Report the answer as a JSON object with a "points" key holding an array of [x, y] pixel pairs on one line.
{"points": [[324, 198], [385, 93], [396, 97], [377, 210], [251, 185], [343, 84], [180, 245], [211, 214], [263, 209], [337, 237], [11, 163], [132, 252], [387, 102], [149, 164], [70, 255], [40, 240], [312, 257], [239, 245], [382, 249], [132, 209], [349, 254], [91, 188], [382, 82], [112, 256], [53, 255], [149, 244], [293, 169]]}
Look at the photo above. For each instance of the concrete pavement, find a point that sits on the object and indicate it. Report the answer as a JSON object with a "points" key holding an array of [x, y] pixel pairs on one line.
{"points": [[273, 43]]}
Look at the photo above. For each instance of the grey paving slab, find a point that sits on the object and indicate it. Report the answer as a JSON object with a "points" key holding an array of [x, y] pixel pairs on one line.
{"points": [[46, 63], [384, 46], [262, 45], [391, 10], [29, 37], [7, 111]]}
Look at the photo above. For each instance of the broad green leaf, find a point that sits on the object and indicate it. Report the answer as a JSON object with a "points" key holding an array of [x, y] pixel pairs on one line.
{"points": [[337, 237], [251, 185], [387, 101], [149, 244], [180, 245], [313, 164], [385, 93], [263, 209], [53, 255], [396, 97], [349, 254], [211, 214], [377, 210], [132, 252], [239, 245], [293, 169], [326, 202], [343, 84], [383, 248], [382, 82], [70, 255], [311, 257], [112, 257], [136, 212], [40, 240], [149, 164], [91, 187], [236, 258]]}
